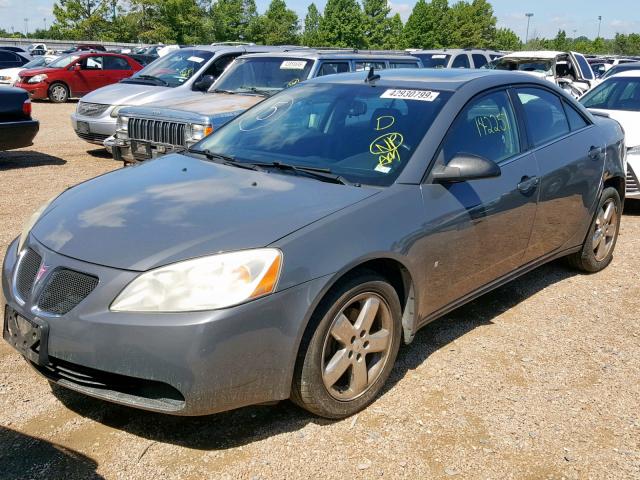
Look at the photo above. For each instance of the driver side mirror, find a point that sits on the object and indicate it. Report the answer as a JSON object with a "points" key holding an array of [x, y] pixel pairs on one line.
{"points": [[203, 84], [77, 67], [465, 167]]}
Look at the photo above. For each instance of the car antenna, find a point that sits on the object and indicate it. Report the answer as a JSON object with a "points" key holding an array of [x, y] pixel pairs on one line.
{"points": [[371, 76]]}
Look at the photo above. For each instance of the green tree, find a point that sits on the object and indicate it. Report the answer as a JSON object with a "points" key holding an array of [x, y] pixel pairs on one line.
{"points": [[341, 24], [278, 26], [234, 20], [428, 25], [311, 34], [168, 21], [376, 23], [560, 42], [472, 25], [506, 39], [394, 38], [80, 19]]}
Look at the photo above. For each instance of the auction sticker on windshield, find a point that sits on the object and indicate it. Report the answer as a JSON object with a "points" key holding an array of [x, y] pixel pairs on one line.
{"points": [[195, 59], [293, 65], [422, 95]]}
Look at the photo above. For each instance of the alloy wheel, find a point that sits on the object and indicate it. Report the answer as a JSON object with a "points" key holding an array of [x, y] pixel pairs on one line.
{"points": [[357, 346], [59, 93], [606, 229]]}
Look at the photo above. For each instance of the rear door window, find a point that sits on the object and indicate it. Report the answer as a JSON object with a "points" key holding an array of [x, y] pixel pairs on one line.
{"points": [[365, 65], [116, 63], [544, 115], [330, 68], [479, 60], [461, 61], [394, 64], [486, 128]]}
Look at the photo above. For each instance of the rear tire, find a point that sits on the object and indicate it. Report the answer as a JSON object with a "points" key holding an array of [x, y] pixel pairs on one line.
{"points": [[597, 249], [344, 363], [58, 92]]}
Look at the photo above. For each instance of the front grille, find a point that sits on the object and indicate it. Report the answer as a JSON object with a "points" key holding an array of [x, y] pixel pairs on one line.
{"points": [[93, 137], [633, 186], [64, 290], [157, 131], [27, 271], [91, 109]]}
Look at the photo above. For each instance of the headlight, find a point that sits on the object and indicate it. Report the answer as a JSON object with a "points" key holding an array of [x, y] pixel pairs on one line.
{"points": [[32, 221], [198, 132], [207, 283], [37, 78], [4, 79], [114, 112], [122, 126]]}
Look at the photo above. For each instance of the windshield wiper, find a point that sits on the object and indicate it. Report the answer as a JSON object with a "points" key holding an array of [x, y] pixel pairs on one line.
{"points": [[220, 90], [257, 91], [224, 159], [152, 78], [322, 174]]}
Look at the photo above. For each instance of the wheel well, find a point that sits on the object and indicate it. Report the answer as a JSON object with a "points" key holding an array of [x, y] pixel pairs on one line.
{"points": [[618, 183]]}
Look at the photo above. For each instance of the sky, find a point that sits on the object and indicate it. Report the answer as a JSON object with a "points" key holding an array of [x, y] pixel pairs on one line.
{"points": [[576, 17]]}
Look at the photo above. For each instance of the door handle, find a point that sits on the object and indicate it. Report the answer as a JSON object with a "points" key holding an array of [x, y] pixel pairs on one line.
{"points": [[528, 184], [594, 153]]}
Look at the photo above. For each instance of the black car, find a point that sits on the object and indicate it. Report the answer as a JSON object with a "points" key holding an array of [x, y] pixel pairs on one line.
{"points": [[9, 59], [142, 59], [11, 48], [17, 128]]}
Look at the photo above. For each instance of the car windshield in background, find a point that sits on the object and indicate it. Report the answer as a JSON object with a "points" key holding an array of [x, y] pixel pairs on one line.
{"points": [[172, 70], [263, 75], [64, 61], [525, 65], [615, 94], [36, 62], [365, 135], [433, 60]]}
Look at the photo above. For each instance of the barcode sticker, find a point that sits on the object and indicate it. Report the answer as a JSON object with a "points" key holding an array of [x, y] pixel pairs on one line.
{"points": [[293, 65], [422, 95]]}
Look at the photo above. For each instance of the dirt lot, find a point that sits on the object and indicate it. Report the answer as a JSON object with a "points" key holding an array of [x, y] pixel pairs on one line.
{"points": [[540, 379]]}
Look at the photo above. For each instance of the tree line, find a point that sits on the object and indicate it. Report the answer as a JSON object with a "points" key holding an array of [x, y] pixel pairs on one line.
{"points": [[365, 24]]}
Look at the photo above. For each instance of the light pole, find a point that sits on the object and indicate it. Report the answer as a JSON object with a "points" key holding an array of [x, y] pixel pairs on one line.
{"points": [[45, 23], [599, 23], [526, 38], [26, 27]]}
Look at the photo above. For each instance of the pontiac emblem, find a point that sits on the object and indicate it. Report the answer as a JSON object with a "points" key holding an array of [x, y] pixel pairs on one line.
{"points": [[41, 271]]}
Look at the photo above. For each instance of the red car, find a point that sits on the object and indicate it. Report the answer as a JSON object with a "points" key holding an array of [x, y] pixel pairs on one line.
{"points": [[76, 74]]}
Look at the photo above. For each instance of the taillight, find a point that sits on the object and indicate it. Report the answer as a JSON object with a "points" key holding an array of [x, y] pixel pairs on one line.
{"points": [[26, 108]]}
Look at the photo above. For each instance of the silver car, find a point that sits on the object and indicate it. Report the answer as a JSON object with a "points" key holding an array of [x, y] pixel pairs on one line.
{"points": [[185, 73]]}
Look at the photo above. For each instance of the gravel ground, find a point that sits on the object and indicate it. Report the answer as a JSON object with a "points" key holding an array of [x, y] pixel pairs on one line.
{"points": [[539, 379]]}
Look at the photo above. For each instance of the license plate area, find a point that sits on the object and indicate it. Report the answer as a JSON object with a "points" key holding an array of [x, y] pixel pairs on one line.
{"points": [[83, 127], [29, 337], [140, 150]]}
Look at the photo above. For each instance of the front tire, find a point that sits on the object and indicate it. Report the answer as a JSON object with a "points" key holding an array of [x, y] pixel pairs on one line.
{"points": [[58, 93], [597, 249], [346, 361]]}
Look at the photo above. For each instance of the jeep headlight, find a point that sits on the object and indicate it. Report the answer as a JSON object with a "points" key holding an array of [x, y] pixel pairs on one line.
{"points": [[122, 126], [198, 132], [206, 283]]}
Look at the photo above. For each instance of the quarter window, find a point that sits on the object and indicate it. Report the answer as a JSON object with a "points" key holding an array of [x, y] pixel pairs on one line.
{"points": [[544, 115], [329, 68], [576, 121], [461, 61], [486, 128], [403, 65], [367, 65]]}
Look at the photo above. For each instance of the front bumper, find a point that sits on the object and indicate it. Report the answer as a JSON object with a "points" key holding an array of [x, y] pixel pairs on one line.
{"points": [[94, 129], [36, 91], [185, 364], [633, 177], [133, 151], [18, 134]]}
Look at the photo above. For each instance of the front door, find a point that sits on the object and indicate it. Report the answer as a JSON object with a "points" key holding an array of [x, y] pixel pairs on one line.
{"points": [[90, 76], [478, 230]]}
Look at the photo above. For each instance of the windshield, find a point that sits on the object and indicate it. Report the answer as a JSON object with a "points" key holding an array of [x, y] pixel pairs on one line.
{"points": [[265, 74], [364, 134], [619, 68], [36, 62], [433, 60], [620, 93], [63, 61], [525, 65], [173, 69]]}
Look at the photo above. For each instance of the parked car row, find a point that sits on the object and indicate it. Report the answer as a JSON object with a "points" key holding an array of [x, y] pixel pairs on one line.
{"points": [[291, 252], [17, 128]]}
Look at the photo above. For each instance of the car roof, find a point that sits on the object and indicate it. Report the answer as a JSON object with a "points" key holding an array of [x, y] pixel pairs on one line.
{"points": [[453, 50], [332, 54], [626, 73], [535, 54], [428, 78], [235, 48]]}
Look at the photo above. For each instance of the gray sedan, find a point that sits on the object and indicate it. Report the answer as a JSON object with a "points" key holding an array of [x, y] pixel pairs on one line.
{"points": [[289, 254]]}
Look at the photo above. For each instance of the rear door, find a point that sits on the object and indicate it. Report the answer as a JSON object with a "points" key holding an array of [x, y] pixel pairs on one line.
{"points": [[571, 163], [115, 69], [480, 229]]}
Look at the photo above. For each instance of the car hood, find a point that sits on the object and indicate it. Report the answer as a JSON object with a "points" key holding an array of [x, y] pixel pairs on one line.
{"points": [[630, 122], [212, 103], [37, 71], [179, 207], [10, 72], [135, 94]]}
